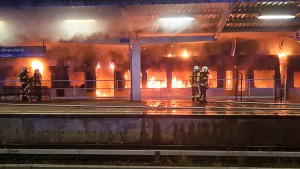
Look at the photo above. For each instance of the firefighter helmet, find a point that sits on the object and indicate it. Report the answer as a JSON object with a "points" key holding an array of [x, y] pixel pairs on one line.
{"points": [[24, 70], [204, 69], [196, 68]]}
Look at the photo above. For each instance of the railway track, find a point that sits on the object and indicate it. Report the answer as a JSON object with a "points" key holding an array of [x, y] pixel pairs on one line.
{"points": [[155, 151], [151, 147], [74, 155]]}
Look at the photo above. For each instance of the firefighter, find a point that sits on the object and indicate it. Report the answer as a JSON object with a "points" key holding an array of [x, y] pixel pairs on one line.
{"points": [[194, 81], [37, 82], [203, 85], [24, 79]]}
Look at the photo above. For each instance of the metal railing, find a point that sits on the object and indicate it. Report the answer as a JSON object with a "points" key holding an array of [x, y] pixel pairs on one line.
{"points": [[159, 89]]}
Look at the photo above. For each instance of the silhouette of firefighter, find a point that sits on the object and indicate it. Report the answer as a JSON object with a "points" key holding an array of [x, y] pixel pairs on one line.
{"points": [[25, 83], [203, 85], [194, 81], [37, 82]]}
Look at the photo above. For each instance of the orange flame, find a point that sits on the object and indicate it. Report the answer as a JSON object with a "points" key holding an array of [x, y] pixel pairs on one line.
{"points": [[152, 83], [185, 54], [112, 65], [283, 65], [282, 55], [177, 83], [98, 66], [229, 85], [37, 64], [105, 80]]}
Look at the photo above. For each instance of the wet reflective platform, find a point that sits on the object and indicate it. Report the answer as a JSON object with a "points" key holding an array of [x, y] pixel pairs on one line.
{"points": [[150, 107]]}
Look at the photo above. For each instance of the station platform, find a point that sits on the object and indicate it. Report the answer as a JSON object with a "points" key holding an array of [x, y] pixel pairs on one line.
{"points": [[157, 107], [151, 122]]}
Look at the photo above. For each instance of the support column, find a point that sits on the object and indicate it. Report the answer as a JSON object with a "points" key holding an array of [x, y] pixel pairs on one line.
{"points": [[135, 68]]}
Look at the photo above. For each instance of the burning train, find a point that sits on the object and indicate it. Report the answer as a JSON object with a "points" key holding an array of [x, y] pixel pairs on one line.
{"points": [[82, 70]]}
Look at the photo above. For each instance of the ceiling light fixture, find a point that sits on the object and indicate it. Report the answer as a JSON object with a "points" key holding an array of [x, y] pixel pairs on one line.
{"points": [[176, 19], [276, 17], [80, 21]]}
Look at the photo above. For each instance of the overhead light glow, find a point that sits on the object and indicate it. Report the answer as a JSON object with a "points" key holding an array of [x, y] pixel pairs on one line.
{"points": [[276, 17], [177, 19], [174, 24], [71, 28], [80, 21]]}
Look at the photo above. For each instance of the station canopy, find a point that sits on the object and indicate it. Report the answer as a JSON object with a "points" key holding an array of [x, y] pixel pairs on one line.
{"points": [[134, 19]]}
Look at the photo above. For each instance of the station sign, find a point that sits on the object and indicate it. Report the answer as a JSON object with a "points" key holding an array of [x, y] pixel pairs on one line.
{"points": [[22, 51]]}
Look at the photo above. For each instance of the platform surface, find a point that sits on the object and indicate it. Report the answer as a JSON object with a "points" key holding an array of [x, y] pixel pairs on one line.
{"points": [[157, 107]]}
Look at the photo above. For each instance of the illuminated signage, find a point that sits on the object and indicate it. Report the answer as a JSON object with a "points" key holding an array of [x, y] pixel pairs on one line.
{"points": [[22, 51]]}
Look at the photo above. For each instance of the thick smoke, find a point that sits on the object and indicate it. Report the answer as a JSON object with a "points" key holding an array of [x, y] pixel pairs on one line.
{"points": [[30, 25], [80, 54], [214, 54]]}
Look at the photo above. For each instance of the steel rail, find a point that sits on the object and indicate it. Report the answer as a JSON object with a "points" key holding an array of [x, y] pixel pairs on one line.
{"points": [[122, 152], [157, 107], [60, 166]]}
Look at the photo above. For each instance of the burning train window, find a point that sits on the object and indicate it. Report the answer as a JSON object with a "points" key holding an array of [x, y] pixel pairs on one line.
{"points": [[180, 79], [76, 78], [127, 77], [229, 80], [212, 79], [105, 80], [264, 78], [156, 79], [241, 74], [297, 79]]}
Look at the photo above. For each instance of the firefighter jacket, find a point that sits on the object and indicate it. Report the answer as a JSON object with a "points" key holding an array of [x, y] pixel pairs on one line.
{"points": [[24, 78], [194, 78], [204, 79], [37, 79]]}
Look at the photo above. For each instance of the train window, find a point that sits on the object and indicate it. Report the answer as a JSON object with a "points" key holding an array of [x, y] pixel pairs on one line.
{"points": [[127, 79], [104, 80], [297, 79], [264, 78], [180, 79], [76, 78], [229, 80], [212, 79], [242, 74], [156, 79]]}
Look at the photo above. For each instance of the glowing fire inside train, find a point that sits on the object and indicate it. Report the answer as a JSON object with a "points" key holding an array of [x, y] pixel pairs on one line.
{"points": [[283, 66], [105, 76], [37, 64], [105, 80]]}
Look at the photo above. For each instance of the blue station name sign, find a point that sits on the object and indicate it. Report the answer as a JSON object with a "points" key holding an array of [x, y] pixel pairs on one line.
{"points": [[22, 51]]}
